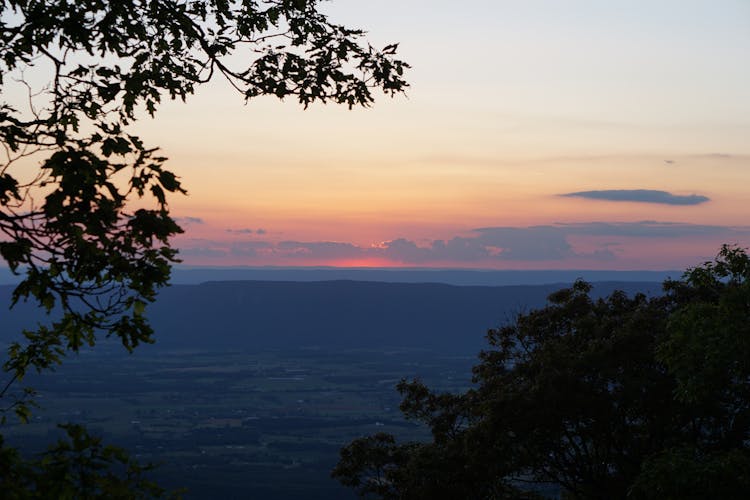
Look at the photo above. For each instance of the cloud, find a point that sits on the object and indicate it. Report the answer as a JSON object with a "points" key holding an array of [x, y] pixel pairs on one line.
{"points": [[403, 250], [482, 246], [202, 247], [247, 230], [650, 229], [718, 156], [250, 248], [202, 251], [536, 243], [318, 249], [546, 243], [527, 243], [189, 220], [641, 196]]}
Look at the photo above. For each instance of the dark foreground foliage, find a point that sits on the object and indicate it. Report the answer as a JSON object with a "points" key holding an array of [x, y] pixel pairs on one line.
{"points": [[621, 397], [84, 215], [77, 467]]}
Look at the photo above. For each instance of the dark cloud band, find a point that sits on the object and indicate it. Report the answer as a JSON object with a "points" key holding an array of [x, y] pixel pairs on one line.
{"points": [[640, 196], [544, 243]]}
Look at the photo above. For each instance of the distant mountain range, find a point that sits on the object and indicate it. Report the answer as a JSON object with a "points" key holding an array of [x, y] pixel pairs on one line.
{"points": [[187, 275], [194, 275], [254, 315]]}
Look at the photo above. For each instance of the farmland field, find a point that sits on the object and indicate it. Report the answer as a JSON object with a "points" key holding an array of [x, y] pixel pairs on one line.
{"points": [[263, 424]]}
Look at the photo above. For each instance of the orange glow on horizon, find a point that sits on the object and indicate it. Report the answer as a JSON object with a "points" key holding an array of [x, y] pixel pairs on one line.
{"points": [[368, 262]]}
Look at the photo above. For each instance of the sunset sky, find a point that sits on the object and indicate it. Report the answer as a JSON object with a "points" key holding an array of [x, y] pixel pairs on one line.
{"points": [[535, 135]]}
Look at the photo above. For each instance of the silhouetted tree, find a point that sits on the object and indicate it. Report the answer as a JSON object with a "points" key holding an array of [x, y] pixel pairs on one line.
{"points": [[83, 202], [609, 398], [78, 466]]}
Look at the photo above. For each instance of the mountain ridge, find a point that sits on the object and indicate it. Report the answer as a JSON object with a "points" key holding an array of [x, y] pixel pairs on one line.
{"points": [[335, 314]]}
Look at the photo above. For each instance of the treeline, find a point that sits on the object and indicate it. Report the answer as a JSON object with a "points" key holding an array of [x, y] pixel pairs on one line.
{"points": [[618, 397]]}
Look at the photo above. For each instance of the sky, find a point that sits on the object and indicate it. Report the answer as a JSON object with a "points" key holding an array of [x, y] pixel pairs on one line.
{"points": [[534, 135]]}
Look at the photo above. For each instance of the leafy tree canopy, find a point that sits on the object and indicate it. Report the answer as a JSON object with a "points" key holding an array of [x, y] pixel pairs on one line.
{"points": [[637, 397], [83, 202], [78, 466], [74, 182]]}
